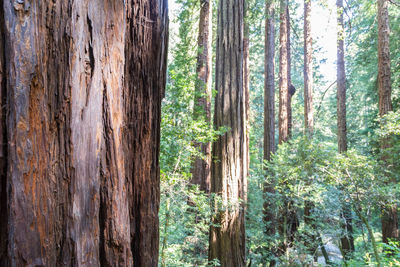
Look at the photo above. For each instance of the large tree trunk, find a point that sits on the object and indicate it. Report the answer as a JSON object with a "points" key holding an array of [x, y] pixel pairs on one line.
{"points": [[389, 214], [308, 71], [269, 86], [347, 241], [246, 89], [3, 144], [227, 241], [83, 115], [201, 171], [289, 70], [269, 119], [283, 75]]}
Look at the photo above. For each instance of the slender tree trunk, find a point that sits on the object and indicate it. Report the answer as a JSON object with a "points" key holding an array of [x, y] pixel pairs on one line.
{"points": [[390, 225], [269, 119], [201, 172], [309, 121], [283, 75], [347, 242], [308, 71], [227, 241], [83, 115], [289, 70]]}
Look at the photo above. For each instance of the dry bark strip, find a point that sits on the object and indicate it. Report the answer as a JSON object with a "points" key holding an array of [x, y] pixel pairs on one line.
{"points": [[80, 174]]}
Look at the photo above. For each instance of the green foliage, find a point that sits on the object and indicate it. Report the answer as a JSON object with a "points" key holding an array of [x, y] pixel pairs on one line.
{"points": [[303, 170]]}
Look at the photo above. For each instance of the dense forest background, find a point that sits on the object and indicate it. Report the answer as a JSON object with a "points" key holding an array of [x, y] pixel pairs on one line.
{"points": [[303, 169], [199, 133]]}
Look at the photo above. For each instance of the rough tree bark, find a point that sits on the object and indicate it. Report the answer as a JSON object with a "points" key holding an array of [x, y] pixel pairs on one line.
{"points": [[83, 115], [283, 75], [269, 118], [227, 241], [246, 89], [269, 85], [308, 115], [289, 70], [347, 241], [201, 171], [3, 144], [308, 71], [389, 214]]}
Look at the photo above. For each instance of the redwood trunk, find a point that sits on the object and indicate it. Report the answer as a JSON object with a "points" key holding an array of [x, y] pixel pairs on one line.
{"points": [[246, 88], [269, 120], [308, 71], [228, 178], [289, 70], [201, 171], [83, 115], [347, 241], [283, 75], [269, 86], [389, 214]]}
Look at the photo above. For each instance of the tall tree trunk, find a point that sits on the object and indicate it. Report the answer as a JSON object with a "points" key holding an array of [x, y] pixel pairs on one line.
{"points": [[3, 144], [201, 172], [269, 120], [269, 86], [308, 118], [227, 241], [347, 241], [83, 115], [308, 71], [246, 88], [289, 70], [389, 214], [283, 75]]}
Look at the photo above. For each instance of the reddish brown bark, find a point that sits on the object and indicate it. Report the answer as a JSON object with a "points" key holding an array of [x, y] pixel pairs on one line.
{"points": [[289, 70], [3, 145], [83, 114], [246, 88], [269, 86], [201, 171], [227, 241], [308, 71], [390, 225], [347, 242], [283, 75]]}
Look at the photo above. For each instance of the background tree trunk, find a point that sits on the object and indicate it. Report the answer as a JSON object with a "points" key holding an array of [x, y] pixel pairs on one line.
{"points": [[83, 115], [269, 86], [347, 241], [289, 70], [308, 71], [201, 171], [283, 75], [269, 118], [390, 223], [227, 242]]}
